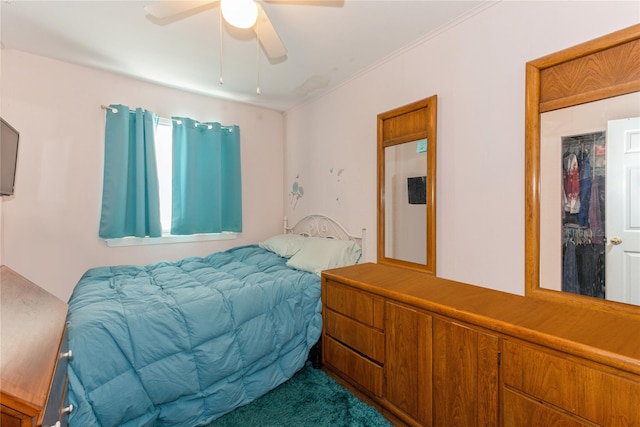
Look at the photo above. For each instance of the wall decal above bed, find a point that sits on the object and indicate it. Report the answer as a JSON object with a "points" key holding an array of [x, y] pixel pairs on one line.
{"points": [[297, 191], [337, 174]]}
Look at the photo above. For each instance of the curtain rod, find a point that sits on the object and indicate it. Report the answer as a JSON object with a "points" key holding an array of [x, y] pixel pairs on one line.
{"points": [[178, 121]]}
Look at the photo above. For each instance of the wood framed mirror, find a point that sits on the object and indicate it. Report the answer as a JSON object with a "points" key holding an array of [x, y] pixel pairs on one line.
{"points": [[573, 99], [407, 186]]}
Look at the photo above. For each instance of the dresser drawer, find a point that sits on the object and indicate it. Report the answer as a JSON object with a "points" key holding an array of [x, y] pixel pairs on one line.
{"points": [[356, 367], [524, 412], [357, 305], [361, 338], [597, 395], [11, 418]]}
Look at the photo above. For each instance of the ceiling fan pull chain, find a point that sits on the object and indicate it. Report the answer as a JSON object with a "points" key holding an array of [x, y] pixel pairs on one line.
{"points": [[258, 65], [221, 44], [258, 57]]}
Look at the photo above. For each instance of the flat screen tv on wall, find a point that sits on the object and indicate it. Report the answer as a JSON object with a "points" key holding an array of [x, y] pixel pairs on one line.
{"points": [[9, 137], [417, 190]]}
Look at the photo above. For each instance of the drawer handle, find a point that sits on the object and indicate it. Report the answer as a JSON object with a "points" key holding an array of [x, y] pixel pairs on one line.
{"points": [[68, 354], [67, 410]]}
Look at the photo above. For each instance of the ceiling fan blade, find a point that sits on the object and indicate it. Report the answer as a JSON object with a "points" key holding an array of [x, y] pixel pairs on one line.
{"points": [[169, 9], [268, 36], [332, 3]]}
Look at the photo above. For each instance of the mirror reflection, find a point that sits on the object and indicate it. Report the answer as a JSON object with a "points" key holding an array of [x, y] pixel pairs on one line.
{"points": [[582, 174], [406, 202], [407, 186], [590, 169]]}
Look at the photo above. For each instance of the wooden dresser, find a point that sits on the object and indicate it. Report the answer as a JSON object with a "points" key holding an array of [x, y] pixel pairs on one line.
{"points": [[33, 354], [434, 352]]}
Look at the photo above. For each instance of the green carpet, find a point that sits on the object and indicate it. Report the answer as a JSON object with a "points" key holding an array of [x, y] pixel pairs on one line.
{"points": [[310, 398]]}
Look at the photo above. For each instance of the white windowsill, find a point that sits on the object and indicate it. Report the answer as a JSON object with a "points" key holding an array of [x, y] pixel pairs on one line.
{"points": [[169, 238]]}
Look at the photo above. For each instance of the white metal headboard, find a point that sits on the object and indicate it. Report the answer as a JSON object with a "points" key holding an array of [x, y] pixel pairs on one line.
{"points": [[324, 226]]}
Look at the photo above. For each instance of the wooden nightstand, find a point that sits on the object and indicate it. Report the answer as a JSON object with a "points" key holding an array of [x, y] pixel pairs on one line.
{"points": [[33, 354]]}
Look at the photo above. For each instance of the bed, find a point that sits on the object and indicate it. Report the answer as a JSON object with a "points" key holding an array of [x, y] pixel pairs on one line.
{"points": [[182, 343]]}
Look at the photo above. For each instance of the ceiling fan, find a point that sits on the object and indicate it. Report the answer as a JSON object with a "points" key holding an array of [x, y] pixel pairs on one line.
{"points": [[238, 13]]}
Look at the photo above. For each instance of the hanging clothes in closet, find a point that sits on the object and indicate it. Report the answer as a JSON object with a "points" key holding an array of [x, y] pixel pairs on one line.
{"points": [[583, 216]]}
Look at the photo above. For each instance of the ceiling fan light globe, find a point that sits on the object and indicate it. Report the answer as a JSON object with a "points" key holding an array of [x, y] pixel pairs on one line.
{"points": [[239, 13]]}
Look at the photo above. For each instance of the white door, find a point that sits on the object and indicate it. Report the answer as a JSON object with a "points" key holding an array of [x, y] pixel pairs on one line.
{"points": [[623, 211]]}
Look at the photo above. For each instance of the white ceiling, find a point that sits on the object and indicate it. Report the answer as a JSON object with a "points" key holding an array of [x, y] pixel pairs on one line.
{"points": [[327, 44]]}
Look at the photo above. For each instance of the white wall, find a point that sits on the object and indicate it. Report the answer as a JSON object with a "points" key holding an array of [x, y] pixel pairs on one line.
{"points": [[477, 69], [51, 225]]}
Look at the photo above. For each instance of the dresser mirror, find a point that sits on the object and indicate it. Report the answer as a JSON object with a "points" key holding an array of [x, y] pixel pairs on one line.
{"points": [[407, 186], [582, 174]]}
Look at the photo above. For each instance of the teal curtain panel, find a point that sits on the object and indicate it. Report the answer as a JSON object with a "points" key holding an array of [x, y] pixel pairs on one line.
{"points": [[206, 183], [130, 198]]}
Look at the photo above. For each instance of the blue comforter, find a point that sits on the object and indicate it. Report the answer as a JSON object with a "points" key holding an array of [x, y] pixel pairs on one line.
{"points": [[182, 343]]}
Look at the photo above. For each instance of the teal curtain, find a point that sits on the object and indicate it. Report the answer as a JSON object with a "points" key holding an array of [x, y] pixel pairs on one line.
{"points": [[207, 187], [130, 197]]}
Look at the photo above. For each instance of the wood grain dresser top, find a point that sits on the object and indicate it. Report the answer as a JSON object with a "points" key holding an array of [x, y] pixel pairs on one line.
{"points": [[593, 334]]}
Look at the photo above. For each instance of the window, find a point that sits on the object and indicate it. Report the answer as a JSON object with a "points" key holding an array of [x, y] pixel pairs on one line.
{"points": [[163, 161], [200, 188]]}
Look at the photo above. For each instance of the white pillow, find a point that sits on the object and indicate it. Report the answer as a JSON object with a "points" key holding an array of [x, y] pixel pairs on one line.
{"points": [[320, 253], [285, 245]]}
